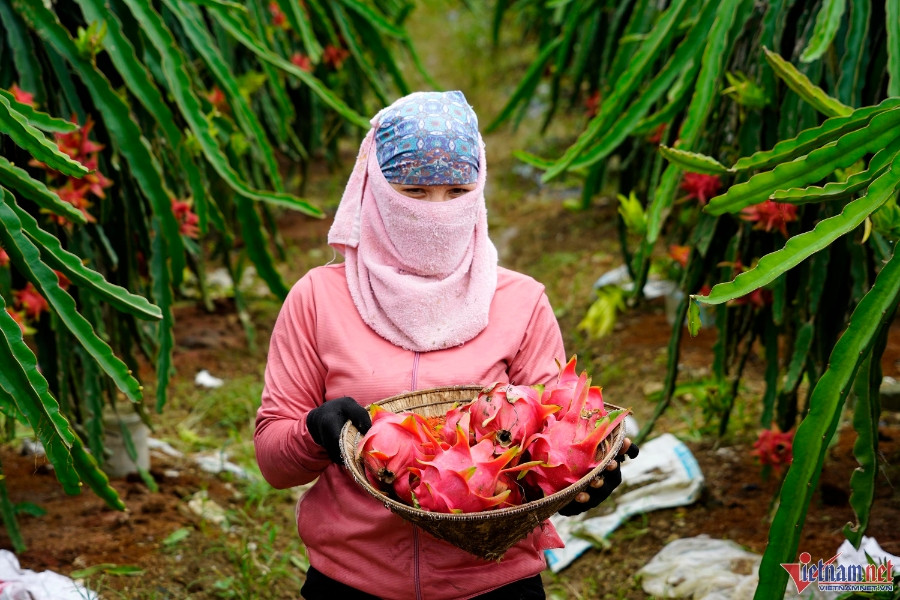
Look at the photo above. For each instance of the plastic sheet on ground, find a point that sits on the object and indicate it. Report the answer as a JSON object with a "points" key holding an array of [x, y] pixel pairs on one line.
{"points": [[701, 568], [848, 556], [164, 448], [664, 475], [17, 583], [868, 547]]}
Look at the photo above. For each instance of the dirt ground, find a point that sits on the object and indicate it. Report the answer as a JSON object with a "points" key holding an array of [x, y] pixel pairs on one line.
{"points": [[79, 532]]}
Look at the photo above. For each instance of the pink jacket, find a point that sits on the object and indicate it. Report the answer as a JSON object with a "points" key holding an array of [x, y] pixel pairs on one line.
{"points": [[321, 349]]}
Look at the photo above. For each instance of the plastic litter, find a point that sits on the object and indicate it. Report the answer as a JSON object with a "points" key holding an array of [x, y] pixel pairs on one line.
{"points": [[205, 379], [654, 288], [32, 447], [631, 427], [208, 509], [164, 448], [217, 462], [848, 555], [118, 463], [214, 462], [665, 475], [17, 583], [219, 283], [701, 568], [219, 279]]}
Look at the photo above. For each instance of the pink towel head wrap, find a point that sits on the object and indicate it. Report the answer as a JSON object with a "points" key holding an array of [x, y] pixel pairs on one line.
{"points": [[421, 274]]}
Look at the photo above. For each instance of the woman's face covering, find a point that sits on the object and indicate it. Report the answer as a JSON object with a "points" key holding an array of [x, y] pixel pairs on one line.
{"points": [[433, 193]]}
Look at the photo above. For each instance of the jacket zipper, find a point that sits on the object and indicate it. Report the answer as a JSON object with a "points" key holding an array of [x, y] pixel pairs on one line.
{"points": [[416, 578], [414, 378], [413, 384]]}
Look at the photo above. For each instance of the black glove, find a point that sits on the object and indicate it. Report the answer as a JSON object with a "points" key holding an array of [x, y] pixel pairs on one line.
{"points": [[326, 421], [611, 480]]}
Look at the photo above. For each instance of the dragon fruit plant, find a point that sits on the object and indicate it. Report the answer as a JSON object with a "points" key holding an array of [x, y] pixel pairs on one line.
{"points": [[510, 445]]}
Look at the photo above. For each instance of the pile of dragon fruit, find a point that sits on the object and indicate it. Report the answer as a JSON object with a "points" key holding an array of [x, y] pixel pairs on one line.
{"points": [[510, 445]]}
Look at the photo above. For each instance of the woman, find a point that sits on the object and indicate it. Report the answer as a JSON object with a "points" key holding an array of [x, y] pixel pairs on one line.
{"points": [[418, 302]]}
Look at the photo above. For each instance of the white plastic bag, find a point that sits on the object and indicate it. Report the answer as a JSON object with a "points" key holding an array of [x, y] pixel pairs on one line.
{"points": [[665, 474], [701, 568], [17, 583], [206, 379], [868, 547]]}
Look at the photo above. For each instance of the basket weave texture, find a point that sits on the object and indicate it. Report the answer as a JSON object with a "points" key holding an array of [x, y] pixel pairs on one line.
{"points": [[486, 534]]}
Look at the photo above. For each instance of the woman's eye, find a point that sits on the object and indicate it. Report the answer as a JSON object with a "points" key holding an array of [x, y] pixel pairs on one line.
{"points": [[414, 191], [459, 191]]}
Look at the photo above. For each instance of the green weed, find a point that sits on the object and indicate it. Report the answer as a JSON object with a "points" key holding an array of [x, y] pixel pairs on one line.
{"points": [[260, 564], [217, 419]]}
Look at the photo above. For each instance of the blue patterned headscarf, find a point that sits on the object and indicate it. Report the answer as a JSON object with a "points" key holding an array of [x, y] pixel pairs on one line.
{"points": [[428, 138]]}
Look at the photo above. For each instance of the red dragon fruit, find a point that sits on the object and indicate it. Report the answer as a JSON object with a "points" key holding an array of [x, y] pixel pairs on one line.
{"points": [[458, 415], [507, 481], [568, 388], [506, 447], [465, 478], [395, 443], [508, 414], [568, 447]]}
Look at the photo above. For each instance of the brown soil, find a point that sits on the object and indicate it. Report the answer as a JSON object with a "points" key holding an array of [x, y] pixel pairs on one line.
{"points": [[81, 531]]}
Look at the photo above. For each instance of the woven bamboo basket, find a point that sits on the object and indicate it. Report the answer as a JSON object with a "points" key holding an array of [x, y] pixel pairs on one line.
{"points": [[487, 534]]}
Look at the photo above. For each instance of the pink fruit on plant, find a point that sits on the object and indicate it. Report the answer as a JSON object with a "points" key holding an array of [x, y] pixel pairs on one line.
{"points": [[568, 447], [395, 443], [508, 415], [773, 448], [465, 478]]}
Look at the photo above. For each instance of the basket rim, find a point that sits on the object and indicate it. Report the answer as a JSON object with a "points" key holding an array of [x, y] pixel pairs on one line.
{"points": [[569, 491]]}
